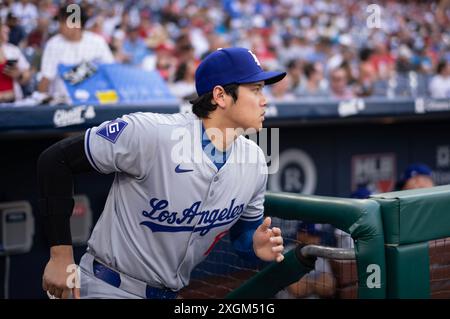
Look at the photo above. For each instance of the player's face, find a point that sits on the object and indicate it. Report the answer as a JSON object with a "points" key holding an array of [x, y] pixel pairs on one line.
{"points": [[69, 32], [248, 111], [418, 181]]}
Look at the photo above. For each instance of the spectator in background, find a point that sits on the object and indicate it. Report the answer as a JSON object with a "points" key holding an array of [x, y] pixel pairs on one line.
{"points": [[36, 41], [39, 36], [345, 58], [47, 9], [403, 64], [134, 47], [294, 70], [185, 53], [361, 192], [323, 51], [34, 48], [440, 83], [116, 45], [145, 24], [5, 9], [14, 69], [27, 14], [382, 60], [16, 31], [215, 42], [339, 88], [71, 46], [279, 92], [367, 74], [95, 25], [183, 48], [314, 84], [416, 176], [184, 81], [422, 61], [165, 61]]}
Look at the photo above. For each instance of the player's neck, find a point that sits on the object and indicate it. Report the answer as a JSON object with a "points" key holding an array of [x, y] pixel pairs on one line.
{"points": [[225, 139]]}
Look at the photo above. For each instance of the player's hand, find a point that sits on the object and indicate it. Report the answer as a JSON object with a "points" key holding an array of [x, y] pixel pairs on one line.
{"points": [[58, 274], [12, 71], [267, 242]]}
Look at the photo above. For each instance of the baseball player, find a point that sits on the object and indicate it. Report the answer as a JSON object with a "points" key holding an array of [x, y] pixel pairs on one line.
{"points": [[417, 175], [182, 181]]}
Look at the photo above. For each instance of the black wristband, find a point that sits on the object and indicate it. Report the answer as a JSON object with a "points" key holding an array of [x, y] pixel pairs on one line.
{"points": [[57, 230], [306, 261]]}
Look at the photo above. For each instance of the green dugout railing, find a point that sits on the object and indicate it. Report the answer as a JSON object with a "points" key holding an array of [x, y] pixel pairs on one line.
{"points": [[360, 218], [411, 219], [391, 233]]}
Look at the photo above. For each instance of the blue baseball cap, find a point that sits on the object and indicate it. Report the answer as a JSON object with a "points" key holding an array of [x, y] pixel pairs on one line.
{"points": [[362, 192], [324, 231], [232, 65], [414, 170], [310, 228]]}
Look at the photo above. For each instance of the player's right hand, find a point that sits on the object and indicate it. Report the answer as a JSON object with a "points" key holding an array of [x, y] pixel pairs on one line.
{"points": [[57, 273]]}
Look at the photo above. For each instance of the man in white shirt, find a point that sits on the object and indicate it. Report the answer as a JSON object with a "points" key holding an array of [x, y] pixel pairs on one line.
{"points": [[71, 46], [440, 83]]}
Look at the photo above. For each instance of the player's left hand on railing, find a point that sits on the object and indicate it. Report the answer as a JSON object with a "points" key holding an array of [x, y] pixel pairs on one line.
{"points": [[267, 242]]}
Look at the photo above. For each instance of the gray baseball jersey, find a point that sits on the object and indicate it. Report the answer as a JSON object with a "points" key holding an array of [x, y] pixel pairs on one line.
{"points": [[168, 204]]}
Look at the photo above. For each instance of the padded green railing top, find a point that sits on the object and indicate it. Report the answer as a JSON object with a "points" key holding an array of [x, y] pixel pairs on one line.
{"points": [[415, 216], [360, 218], [411, 218]]}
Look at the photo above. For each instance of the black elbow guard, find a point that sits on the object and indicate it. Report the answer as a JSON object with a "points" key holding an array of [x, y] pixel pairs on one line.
{"points": [[55, 170], [56, 212]]}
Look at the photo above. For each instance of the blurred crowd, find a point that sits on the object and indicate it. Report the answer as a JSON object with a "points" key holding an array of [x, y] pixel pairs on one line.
{"points": [[330, 49]]}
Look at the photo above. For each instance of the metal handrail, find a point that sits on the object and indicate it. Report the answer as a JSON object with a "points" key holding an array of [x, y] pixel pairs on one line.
{"points": [[328, 252]]}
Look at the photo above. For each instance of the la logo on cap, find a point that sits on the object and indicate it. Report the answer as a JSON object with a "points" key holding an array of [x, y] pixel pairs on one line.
{"points": [[254, 57]]}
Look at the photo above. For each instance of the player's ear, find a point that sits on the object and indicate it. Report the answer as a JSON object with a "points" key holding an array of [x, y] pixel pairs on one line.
{"points": [[219, 95]]}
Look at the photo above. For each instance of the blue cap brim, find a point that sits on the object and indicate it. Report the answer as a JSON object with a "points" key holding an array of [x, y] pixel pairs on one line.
{"points": [[269, 77]]}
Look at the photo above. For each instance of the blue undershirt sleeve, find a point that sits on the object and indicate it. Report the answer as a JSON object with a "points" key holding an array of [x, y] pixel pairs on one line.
{"points": [[241, 235]]}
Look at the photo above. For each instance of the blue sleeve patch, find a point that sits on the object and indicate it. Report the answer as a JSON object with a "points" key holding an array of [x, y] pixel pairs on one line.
{"points": [[112, 130]]}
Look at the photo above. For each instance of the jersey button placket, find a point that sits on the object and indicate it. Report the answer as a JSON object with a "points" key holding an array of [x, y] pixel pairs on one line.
{"points": [[215, 180], [205, 203]]}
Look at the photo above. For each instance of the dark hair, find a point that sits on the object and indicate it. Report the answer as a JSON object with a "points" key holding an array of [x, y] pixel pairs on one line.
{"points": [[365, 53], [441, 66], [291, 64], [63, 14], [399, 185], [309, 69], [181, 72], [202, 105]]}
